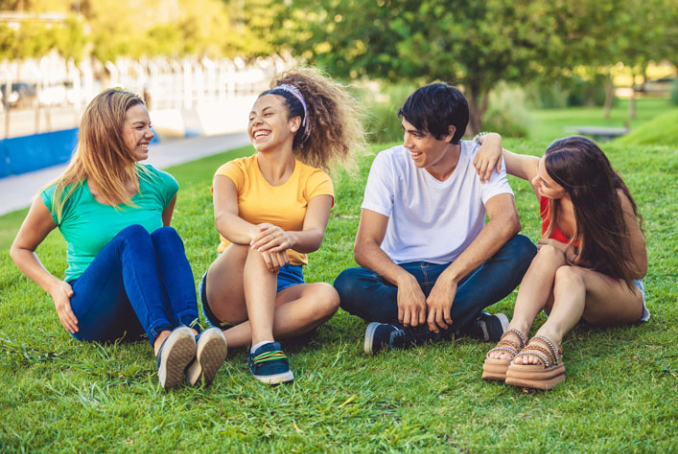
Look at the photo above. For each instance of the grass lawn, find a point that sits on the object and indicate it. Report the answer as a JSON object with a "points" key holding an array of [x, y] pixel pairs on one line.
{"points": [[60, 395]]}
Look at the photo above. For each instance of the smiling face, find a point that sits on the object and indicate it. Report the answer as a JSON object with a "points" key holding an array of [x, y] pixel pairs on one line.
{"points": [[269, 126], [546, 185], [136, 132], [426, 151]]}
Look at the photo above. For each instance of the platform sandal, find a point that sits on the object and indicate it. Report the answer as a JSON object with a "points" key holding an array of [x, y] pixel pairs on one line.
{"points": [[495, 368], [546, 375]]}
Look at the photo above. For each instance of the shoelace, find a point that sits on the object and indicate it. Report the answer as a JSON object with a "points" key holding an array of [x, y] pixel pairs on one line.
{"points": [[274, 355]]}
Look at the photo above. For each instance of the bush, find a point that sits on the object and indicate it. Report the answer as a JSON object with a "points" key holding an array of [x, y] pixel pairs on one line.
{"points": [[571, 91], [506, 113], [382, 102]]}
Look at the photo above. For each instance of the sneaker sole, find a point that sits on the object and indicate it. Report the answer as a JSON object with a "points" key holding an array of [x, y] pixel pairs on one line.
{"points": [[503, 319], [209, 358], [176, 356], [369, 337], [286, 377]]}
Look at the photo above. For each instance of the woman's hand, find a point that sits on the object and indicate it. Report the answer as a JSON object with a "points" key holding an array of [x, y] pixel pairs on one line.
{"points": [[61, 294], [488, 156], [271, 238], [275, 260], [565, 248]]}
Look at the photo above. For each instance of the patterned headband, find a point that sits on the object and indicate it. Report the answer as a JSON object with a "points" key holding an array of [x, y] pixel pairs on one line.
{"points": [[297, 94]]}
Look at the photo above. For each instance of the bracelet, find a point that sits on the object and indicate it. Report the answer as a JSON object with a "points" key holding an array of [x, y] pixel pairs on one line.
{"points": [[483, 133]]}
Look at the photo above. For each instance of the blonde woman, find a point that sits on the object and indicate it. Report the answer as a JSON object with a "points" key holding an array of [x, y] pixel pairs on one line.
{"points": [[271, 210], [127, 270]]}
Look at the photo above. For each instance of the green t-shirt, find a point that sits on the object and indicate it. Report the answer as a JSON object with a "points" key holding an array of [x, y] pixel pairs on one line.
{"points": [[88, 226]]}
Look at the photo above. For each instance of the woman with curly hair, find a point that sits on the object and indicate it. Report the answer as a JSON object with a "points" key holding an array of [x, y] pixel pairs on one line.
{"points": [[590, 265], [127, 270], [271, 210]]}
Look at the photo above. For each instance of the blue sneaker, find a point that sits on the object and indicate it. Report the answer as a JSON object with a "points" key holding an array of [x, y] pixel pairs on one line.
{"points": [[175, 353], [269, 365], [210, 355], [488, 327], [382, 336]]}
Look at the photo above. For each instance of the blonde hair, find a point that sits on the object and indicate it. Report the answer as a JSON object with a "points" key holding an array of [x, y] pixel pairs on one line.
{"points": [[102, 157], [334, 127]]}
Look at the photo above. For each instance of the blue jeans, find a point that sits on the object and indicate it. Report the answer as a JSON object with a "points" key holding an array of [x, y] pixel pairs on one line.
{"points": [[366, 294], [138, 283]]}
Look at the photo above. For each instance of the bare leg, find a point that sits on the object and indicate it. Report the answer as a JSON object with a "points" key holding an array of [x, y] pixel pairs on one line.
{"points": [[599, 299], [535, 292], [299, 309]]}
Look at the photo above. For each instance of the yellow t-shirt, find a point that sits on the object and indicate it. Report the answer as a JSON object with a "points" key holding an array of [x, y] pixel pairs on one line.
{"points": [[284, 205]]}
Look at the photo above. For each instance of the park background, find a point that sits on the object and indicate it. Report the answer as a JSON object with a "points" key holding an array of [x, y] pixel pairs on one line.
{"points": [[532, 70]]}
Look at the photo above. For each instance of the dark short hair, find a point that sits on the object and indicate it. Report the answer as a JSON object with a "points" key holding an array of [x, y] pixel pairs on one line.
{"points": [[434, 107]]}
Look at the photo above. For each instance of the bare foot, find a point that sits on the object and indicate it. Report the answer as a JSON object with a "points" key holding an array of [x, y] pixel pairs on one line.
{"points": [[503, 355]]}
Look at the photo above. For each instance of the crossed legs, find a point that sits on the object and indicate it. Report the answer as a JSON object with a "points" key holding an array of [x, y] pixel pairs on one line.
{"points": [[242, 291]]}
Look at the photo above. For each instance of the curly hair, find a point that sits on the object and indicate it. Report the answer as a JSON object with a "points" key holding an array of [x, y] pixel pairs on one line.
{"points": [[334, 127], [582, 169]]}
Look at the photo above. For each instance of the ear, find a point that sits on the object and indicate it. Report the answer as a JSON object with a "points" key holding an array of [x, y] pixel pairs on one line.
{"points": [[451, 129], [294, 123]]}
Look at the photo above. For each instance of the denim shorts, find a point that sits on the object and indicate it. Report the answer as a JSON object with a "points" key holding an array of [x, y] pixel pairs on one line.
{"points": [[288, 276]]}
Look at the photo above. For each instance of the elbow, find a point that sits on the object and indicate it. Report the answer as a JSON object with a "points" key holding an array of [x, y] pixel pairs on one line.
{"points": [[512, 225]]}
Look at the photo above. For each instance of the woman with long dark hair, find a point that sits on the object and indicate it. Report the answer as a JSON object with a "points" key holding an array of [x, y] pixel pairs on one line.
{"points": [[590, 265], [127, 274]]}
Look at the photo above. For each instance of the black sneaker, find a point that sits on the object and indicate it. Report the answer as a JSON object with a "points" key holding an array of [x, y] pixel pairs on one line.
{"points": [[175, 353], [269, 365], [382, 336], [210, 355], [488, 327]]}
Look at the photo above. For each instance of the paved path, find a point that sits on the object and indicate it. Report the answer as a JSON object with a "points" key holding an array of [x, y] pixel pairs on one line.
{"points": [[17, 191]]}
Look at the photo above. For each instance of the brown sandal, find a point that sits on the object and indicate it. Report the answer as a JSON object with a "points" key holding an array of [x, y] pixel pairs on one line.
{"points": [[546, 375], [494, 368]]}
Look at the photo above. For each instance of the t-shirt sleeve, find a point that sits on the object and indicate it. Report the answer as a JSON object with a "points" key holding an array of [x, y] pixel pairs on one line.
{"points": [[498, 184], [379, 191], [47, 196], [235, 171], [319, 183], [168, 187]]}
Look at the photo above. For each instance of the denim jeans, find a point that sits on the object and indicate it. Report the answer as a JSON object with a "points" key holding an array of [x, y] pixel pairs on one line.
{"points": [[366, 294], [138, 283]]}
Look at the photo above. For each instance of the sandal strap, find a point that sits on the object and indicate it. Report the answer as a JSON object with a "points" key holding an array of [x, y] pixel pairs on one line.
{"points": [[521, 336], [555, 351], [509, 350], [542, 357]]}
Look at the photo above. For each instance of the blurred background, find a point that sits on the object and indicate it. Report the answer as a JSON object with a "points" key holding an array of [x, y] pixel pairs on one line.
{"points": [[536, 69]]}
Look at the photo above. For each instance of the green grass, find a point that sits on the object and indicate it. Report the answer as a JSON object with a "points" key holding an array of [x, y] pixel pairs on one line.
{"points": [[60, 395], [661, 130], [550, 124]]}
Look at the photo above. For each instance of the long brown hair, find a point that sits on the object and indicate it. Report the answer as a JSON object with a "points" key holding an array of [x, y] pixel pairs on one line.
{"points": [[102, 156], [582, 169], [334, 127]]}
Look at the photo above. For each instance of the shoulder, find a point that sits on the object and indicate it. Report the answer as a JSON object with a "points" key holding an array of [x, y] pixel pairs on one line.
{"points": [[397, 156], [240, 164], [469, 147], [307, 171], [159, 175]]}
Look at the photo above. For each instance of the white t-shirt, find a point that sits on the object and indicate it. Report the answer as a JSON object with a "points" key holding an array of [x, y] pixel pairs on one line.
{"points": [[429, 220]]}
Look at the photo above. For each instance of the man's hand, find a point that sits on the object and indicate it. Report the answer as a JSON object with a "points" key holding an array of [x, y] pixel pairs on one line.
{"points": [[61, 294], [440, 303], [411, 303]]}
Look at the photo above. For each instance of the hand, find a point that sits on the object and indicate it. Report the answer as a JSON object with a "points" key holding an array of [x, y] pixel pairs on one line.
{"points": [[488, 156], [411, 303], [275, 260], [440, 303], [62, 294], [566, 249], [271, 238]]}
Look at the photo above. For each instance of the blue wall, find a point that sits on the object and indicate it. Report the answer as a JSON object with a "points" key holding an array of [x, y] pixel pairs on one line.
{"points": [[25, 154]]}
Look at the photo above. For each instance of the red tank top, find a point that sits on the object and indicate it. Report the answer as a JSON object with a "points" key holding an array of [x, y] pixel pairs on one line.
{"points": [[556, 234]]}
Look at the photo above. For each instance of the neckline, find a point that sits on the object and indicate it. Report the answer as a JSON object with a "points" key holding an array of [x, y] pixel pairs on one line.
{"points": [[89, 192], [290, 178]]}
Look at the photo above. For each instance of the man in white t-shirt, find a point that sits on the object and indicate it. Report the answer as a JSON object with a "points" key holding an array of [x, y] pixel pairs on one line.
{"points": [[429, 263]]}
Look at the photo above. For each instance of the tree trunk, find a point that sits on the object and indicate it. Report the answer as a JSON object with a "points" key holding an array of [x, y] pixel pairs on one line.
{"points": [[476, 109], [632, 100], [609, 94]]}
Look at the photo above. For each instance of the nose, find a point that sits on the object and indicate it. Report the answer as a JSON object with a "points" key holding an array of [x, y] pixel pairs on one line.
{"points": [[407, 140], [150, 133]]}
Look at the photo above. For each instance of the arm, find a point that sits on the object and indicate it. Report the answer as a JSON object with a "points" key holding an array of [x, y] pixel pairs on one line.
{"points": [[33, 231], [272, 238], [488, 158], [638, 249], [369, 254], [169, 211], [502, 225], [228, 223]]}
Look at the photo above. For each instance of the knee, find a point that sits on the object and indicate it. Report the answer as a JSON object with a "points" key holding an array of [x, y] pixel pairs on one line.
{"points": [[523, 248], [134, 231], [569, 277], [164, 233], [347, 285], [326, 300], [550, 254]]}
